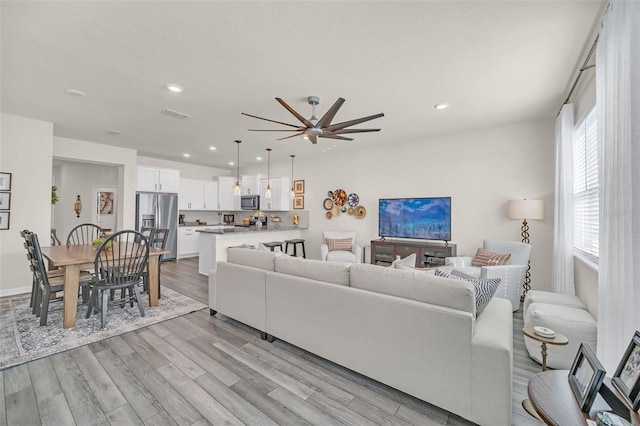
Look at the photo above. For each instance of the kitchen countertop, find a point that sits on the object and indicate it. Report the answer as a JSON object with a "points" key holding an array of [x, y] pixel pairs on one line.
{"points": [[246, 230], [209, 224]]}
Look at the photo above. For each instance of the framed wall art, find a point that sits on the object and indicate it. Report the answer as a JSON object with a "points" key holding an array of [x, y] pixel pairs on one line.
{"points": [[586, 377], [5, 181], [5, 200], [298, 186], [4, 220], [298, 202], [627, 375]]}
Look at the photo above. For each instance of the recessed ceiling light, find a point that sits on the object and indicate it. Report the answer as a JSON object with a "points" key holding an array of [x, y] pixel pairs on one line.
{"points": [[186, 154], [175, 88], [231, 163], [441, 106], [74, 92], [212, 148], [258, 158]]}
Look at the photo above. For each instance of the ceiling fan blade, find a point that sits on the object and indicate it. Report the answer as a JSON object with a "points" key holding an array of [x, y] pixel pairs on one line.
{"points": [[343, 131], [266, 119], [292, 136], [342, 138], [328, 116], [283, 130], [313, 139], [295, 113], [344, 124]]}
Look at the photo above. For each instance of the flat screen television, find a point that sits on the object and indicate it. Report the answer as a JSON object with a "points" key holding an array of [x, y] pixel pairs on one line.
{"points": [[419, 218]]}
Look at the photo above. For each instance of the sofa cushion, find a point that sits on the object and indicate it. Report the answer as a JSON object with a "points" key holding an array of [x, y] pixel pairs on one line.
{"points": [[331, 272], [248, 257], [409, 261], [488, 258], [339, 244], [484, 289], [341, 256], [422, 286]]}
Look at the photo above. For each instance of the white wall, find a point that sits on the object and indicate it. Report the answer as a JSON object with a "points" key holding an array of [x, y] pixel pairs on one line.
{"points": [[73, 179], [122, 158], [187, 171], [480, 170], [26, 146]]}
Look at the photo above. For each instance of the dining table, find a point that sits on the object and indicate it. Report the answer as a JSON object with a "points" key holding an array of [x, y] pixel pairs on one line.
{"points": [[74, 258]]}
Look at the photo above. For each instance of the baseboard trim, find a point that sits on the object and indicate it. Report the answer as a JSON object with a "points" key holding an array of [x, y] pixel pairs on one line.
{"points": [[14, 291]]}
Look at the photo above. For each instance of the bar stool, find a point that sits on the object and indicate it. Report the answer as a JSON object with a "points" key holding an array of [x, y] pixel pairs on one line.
{"points": [[273, 244], [295, 243]]}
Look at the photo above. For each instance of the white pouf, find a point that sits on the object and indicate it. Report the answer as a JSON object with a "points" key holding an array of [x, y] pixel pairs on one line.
{"points": [[539, 296], [576, 324]]}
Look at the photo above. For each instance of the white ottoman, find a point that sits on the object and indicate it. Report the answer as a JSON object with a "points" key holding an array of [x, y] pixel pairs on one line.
{"points": [[576, 324], [539, 296]]}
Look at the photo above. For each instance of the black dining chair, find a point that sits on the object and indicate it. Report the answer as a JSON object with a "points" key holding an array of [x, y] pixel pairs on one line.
{"points": [[159, 240], [46, 285], [119, 264], [84, 234], [34, 281]]}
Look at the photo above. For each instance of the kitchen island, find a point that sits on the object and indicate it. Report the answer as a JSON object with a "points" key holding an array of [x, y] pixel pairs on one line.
{"points": [[213, 243]]}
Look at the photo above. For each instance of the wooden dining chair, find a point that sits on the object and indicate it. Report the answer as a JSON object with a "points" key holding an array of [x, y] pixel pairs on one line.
{"points": [[119, 264], [159, 240], [34, 282], [46, 285], [84, 234]]}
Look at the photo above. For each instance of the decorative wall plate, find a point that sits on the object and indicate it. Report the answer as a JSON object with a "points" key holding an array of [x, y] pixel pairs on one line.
{"points": [[330, 194], [350, 210], [335, 210], [360, 212], [339, 197], [327, 204], [343, 209], [328, 215], [353, 199]]}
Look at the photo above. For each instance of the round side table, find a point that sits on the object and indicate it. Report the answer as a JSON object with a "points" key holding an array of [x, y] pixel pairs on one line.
{"points": [[559, 340]]}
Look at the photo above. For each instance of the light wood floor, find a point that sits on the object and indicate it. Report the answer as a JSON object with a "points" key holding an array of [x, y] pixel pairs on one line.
{"points": [[199, 370]]}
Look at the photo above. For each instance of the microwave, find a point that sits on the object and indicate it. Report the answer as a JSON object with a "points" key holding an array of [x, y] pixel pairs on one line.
{"points": [[250, 202]]}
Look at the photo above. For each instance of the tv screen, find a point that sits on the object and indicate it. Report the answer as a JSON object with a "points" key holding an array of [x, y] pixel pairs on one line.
{"points": [[420, 218]]}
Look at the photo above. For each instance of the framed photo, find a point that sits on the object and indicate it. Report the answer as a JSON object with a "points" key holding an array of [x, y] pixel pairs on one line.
{"points": [[106, 200], [5, 181], [585, 377], [4, 220], [627, 376], [298, 202], [298, 186], [5, 200]]}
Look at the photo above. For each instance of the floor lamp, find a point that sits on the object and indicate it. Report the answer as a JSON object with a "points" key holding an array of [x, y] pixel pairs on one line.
{"points": [[525, 209]]}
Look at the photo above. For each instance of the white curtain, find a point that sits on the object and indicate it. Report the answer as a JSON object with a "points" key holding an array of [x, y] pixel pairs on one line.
{"points": [[562, 268], [618, 103]]}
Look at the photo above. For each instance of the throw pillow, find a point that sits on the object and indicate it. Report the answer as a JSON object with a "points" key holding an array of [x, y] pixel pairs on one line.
{"points": [[409, 261], [338, 244], [484, 289], [488, 258]]}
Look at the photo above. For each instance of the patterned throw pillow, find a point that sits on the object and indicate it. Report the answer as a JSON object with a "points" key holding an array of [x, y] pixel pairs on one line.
{"points": [[484, 289], [488, 258], [338, 244]]}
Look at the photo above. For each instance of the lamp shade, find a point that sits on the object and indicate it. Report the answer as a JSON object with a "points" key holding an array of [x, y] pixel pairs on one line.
{"points": [[525, 209]]}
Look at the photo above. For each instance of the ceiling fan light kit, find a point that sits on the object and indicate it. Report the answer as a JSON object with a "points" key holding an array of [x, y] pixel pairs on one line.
{"points": [[237, 189], [267, 193], [313, 128]]}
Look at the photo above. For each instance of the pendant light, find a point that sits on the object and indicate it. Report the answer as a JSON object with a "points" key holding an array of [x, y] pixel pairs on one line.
{"points": [[292, 194], [267, 193], [237, 190]]}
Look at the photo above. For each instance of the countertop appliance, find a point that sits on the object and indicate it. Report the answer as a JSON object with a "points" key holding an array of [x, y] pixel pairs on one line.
{"points": [[159, 211], [253, 220], [250, 202], [228, 218], [181, 219]]}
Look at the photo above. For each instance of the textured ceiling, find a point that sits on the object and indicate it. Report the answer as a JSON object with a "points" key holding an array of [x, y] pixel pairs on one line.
{"points": [[494, 62]]}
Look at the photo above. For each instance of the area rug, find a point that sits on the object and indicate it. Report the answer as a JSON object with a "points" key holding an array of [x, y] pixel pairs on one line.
{"points": [[22, 339]]}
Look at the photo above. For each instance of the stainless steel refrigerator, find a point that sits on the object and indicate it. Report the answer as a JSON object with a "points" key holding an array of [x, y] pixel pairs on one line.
{"points": [[159, 211]]}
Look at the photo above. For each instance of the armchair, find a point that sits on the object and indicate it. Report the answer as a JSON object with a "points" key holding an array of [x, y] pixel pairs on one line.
{"points": [[353, 256], [511, 275]]}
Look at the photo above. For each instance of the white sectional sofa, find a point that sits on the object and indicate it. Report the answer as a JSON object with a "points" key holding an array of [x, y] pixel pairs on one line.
{"points": [[408, 329]]}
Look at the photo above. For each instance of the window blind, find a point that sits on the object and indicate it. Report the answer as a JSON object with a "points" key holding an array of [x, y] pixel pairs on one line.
{"points": [[585, 186]]}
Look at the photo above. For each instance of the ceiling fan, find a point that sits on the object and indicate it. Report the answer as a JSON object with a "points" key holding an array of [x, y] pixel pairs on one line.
{"points": [[314, 128]]}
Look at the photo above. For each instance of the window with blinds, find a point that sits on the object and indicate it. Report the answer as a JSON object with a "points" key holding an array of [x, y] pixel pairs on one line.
{"points": [[585, 186]]}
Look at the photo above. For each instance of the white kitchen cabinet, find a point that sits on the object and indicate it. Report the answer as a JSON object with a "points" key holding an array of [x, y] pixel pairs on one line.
{"points": [[251, 184], [227, 201], [191, 195], [280, 189], [151, 179], [210, 195], [187, 241]]}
